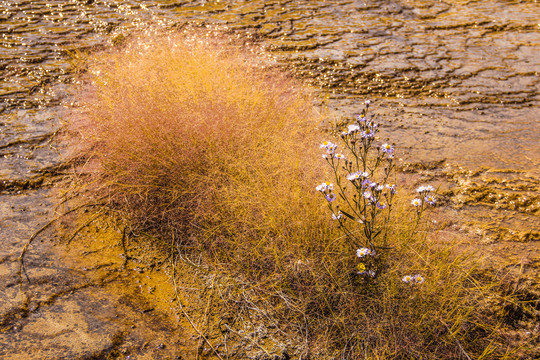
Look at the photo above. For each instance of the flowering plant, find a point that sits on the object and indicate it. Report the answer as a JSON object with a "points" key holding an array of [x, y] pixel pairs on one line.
{"points": [[362, 186], [361, 183], [360, 199]]}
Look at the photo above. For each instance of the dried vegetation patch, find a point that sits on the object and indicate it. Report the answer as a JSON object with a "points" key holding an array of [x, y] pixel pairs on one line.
{"points": [[197, 140]]}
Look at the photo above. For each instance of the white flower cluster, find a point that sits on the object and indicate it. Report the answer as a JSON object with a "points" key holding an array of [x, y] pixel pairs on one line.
{"points": [[357, 176], [425, 196], [326, 188], [329, 147], [364, 252], [424, 189], [413, 279]]}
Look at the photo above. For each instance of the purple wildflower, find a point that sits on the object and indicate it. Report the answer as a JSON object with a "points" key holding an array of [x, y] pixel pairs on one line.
{"points": [[392, 188], [387, 148], [407, 279], [368, 133], [360, 118], [330, 197], [430, 199], [369, 273]]}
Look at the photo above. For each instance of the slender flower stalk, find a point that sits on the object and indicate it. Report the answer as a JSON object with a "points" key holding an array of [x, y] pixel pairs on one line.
{"points": [[426, 199]]}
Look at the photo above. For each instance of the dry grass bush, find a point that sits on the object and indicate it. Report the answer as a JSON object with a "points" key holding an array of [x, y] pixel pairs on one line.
{"points": [[190, 132], [193, 136]]}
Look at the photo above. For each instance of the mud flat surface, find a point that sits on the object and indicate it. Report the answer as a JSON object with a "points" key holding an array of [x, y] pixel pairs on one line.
{"points": [[455, 86], [88, 299]]}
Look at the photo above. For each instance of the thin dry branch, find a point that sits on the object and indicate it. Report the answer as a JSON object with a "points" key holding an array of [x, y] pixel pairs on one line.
{"points": [[25, 249], [186, 315], [76, 232], [29, 241]]}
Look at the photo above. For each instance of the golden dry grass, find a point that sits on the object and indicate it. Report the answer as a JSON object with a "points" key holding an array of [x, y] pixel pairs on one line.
{"points": [[194, 136]]}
